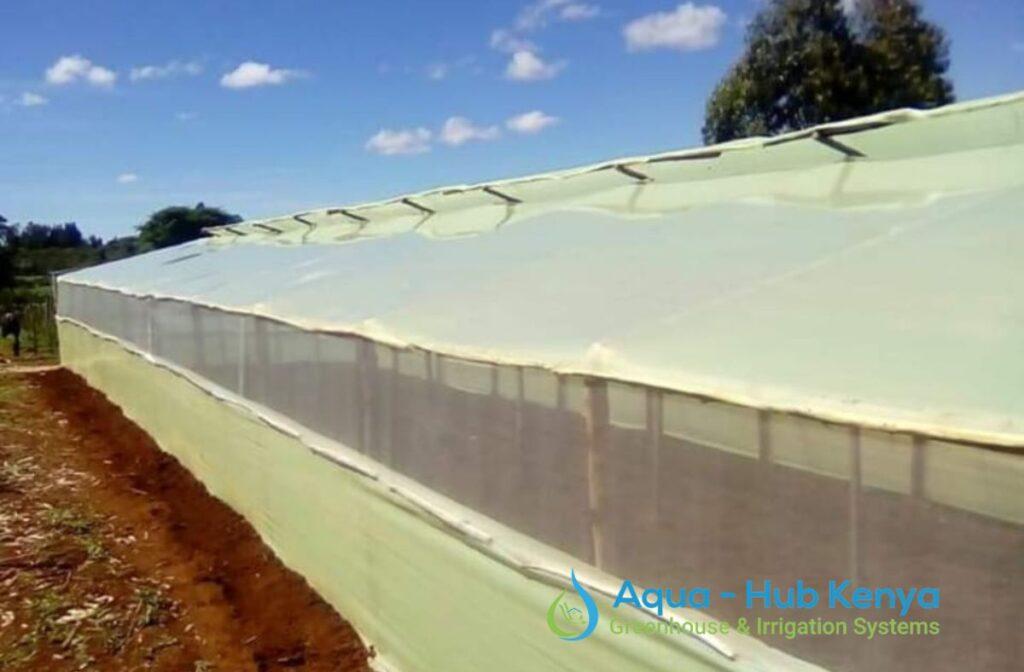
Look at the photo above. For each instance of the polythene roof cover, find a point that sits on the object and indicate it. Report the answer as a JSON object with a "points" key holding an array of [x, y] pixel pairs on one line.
{"points": [[868, 271]]}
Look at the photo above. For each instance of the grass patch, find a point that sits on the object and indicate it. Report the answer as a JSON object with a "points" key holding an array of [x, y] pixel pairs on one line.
{"points": [[70, 521], [10, 388]]}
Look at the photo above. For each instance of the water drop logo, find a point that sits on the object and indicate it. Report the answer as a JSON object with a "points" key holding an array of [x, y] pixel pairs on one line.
{"points": [[570, 622]]}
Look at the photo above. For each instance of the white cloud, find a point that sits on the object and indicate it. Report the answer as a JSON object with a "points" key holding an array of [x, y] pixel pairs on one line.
{"points": [[538, 14], [101, 76], [70, 69], [438, 71], [526, 66], [251, 73], [532, 122], [29, 99], [688, 28], [508, 42], [579, 11], [169, 69], [402, 141], [186, 116], [127, 178], [459, 130]]}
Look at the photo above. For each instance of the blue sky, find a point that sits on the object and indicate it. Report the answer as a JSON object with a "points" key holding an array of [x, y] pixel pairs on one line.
{"points": [[110, 110]]}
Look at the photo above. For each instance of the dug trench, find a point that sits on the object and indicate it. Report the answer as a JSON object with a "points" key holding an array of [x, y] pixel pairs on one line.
{"points": [[113, 557]]}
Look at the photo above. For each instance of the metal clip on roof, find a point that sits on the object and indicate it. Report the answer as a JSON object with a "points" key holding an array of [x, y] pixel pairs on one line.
{"points": [[511, 200], [830, 142], [416, 206], [633, 172], [349, 214]]}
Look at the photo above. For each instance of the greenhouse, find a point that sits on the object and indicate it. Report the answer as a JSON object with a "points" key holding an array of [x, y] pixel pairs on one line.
{"points": [[788, 359]]}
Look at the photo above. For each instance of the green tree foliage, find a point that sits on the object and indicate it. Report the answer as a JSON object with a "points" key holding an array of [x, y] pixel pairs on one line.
{"points": [[36, 236], [180, 224], [6, 268], [6, 255], [906, 55], [808, 62], [34, 250], [119, 248], [30, 252]]}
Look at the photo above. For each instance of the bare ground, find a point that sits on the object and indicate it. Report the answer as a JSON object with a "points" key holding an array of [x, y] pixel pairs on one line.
{"points": [[112, 557]]}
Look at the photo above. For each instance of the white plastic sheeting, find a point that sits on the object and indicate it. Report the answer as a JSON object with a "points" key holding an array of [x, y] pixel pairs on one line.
{"points": [[893, 316], [661, 366]]}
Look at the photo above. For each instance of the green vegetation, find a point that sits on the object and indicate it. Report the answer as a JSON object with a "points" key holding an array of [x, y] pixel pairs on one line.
{"points": [[809, 62], [179, 224], [32, 253]]}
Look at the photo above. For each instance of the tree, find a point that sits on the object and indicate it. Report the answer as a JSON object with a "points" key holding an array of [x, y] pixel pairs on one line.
{"points": [[907, 57], [180, 224], [807, 62], [6, 267], [8, 233], [6, 253], [119, 248]]}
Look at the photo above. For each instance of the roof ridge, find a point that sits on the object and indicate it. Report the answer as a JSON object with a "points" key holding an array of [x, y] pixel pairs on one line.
{"points": [[630, 167]]}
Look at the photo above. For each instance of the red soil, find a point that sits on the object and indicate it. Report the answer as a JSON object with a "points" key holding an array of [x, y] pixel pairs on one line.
{"points": [[224, 602]]}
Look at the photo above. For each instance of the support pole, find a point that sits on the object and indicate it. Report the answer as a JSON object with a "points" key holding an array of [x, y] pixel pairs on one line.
{"points": [[654, 432], [367, 364], [764, 437], [150, 308], [598, 430], [241, 354], [521, 484], [198, 340], [917, 467], [388, 457], [855, 504]]}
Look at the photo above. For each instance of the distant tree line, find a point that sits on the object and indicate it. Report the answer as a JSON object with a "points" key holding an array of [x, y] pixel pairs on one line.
{"points": [[34, 250], [30, 252]]}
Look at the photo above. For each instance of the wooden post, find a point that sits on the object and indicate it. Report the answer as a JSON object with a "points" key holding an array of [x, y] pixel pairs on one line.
{"points": [[428, 455], [855, 504], [598, 430], [561, 394], [150, 341], [654, 432], [520, 484], [764, 437], [198, 338], [33, 311], [551, 497], [263, 372], [917, 467], [388, 453], [241, 352], [366, 366]]}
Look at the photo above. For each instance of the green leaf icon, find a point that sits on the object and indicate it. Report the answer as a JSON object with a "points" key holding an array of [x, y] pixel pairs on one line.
{"points": [[553, 619]]}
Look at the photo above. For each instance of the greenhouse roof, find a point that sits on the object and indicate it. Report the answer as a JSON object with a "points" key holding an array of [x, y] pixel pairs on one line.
{"points": [[866, 271]]}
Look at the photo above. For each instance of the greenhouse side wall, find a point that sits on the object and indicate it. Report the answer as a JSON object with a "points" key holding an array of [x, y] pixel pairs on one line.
{"points": [[663, 488], [419, 594]]}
